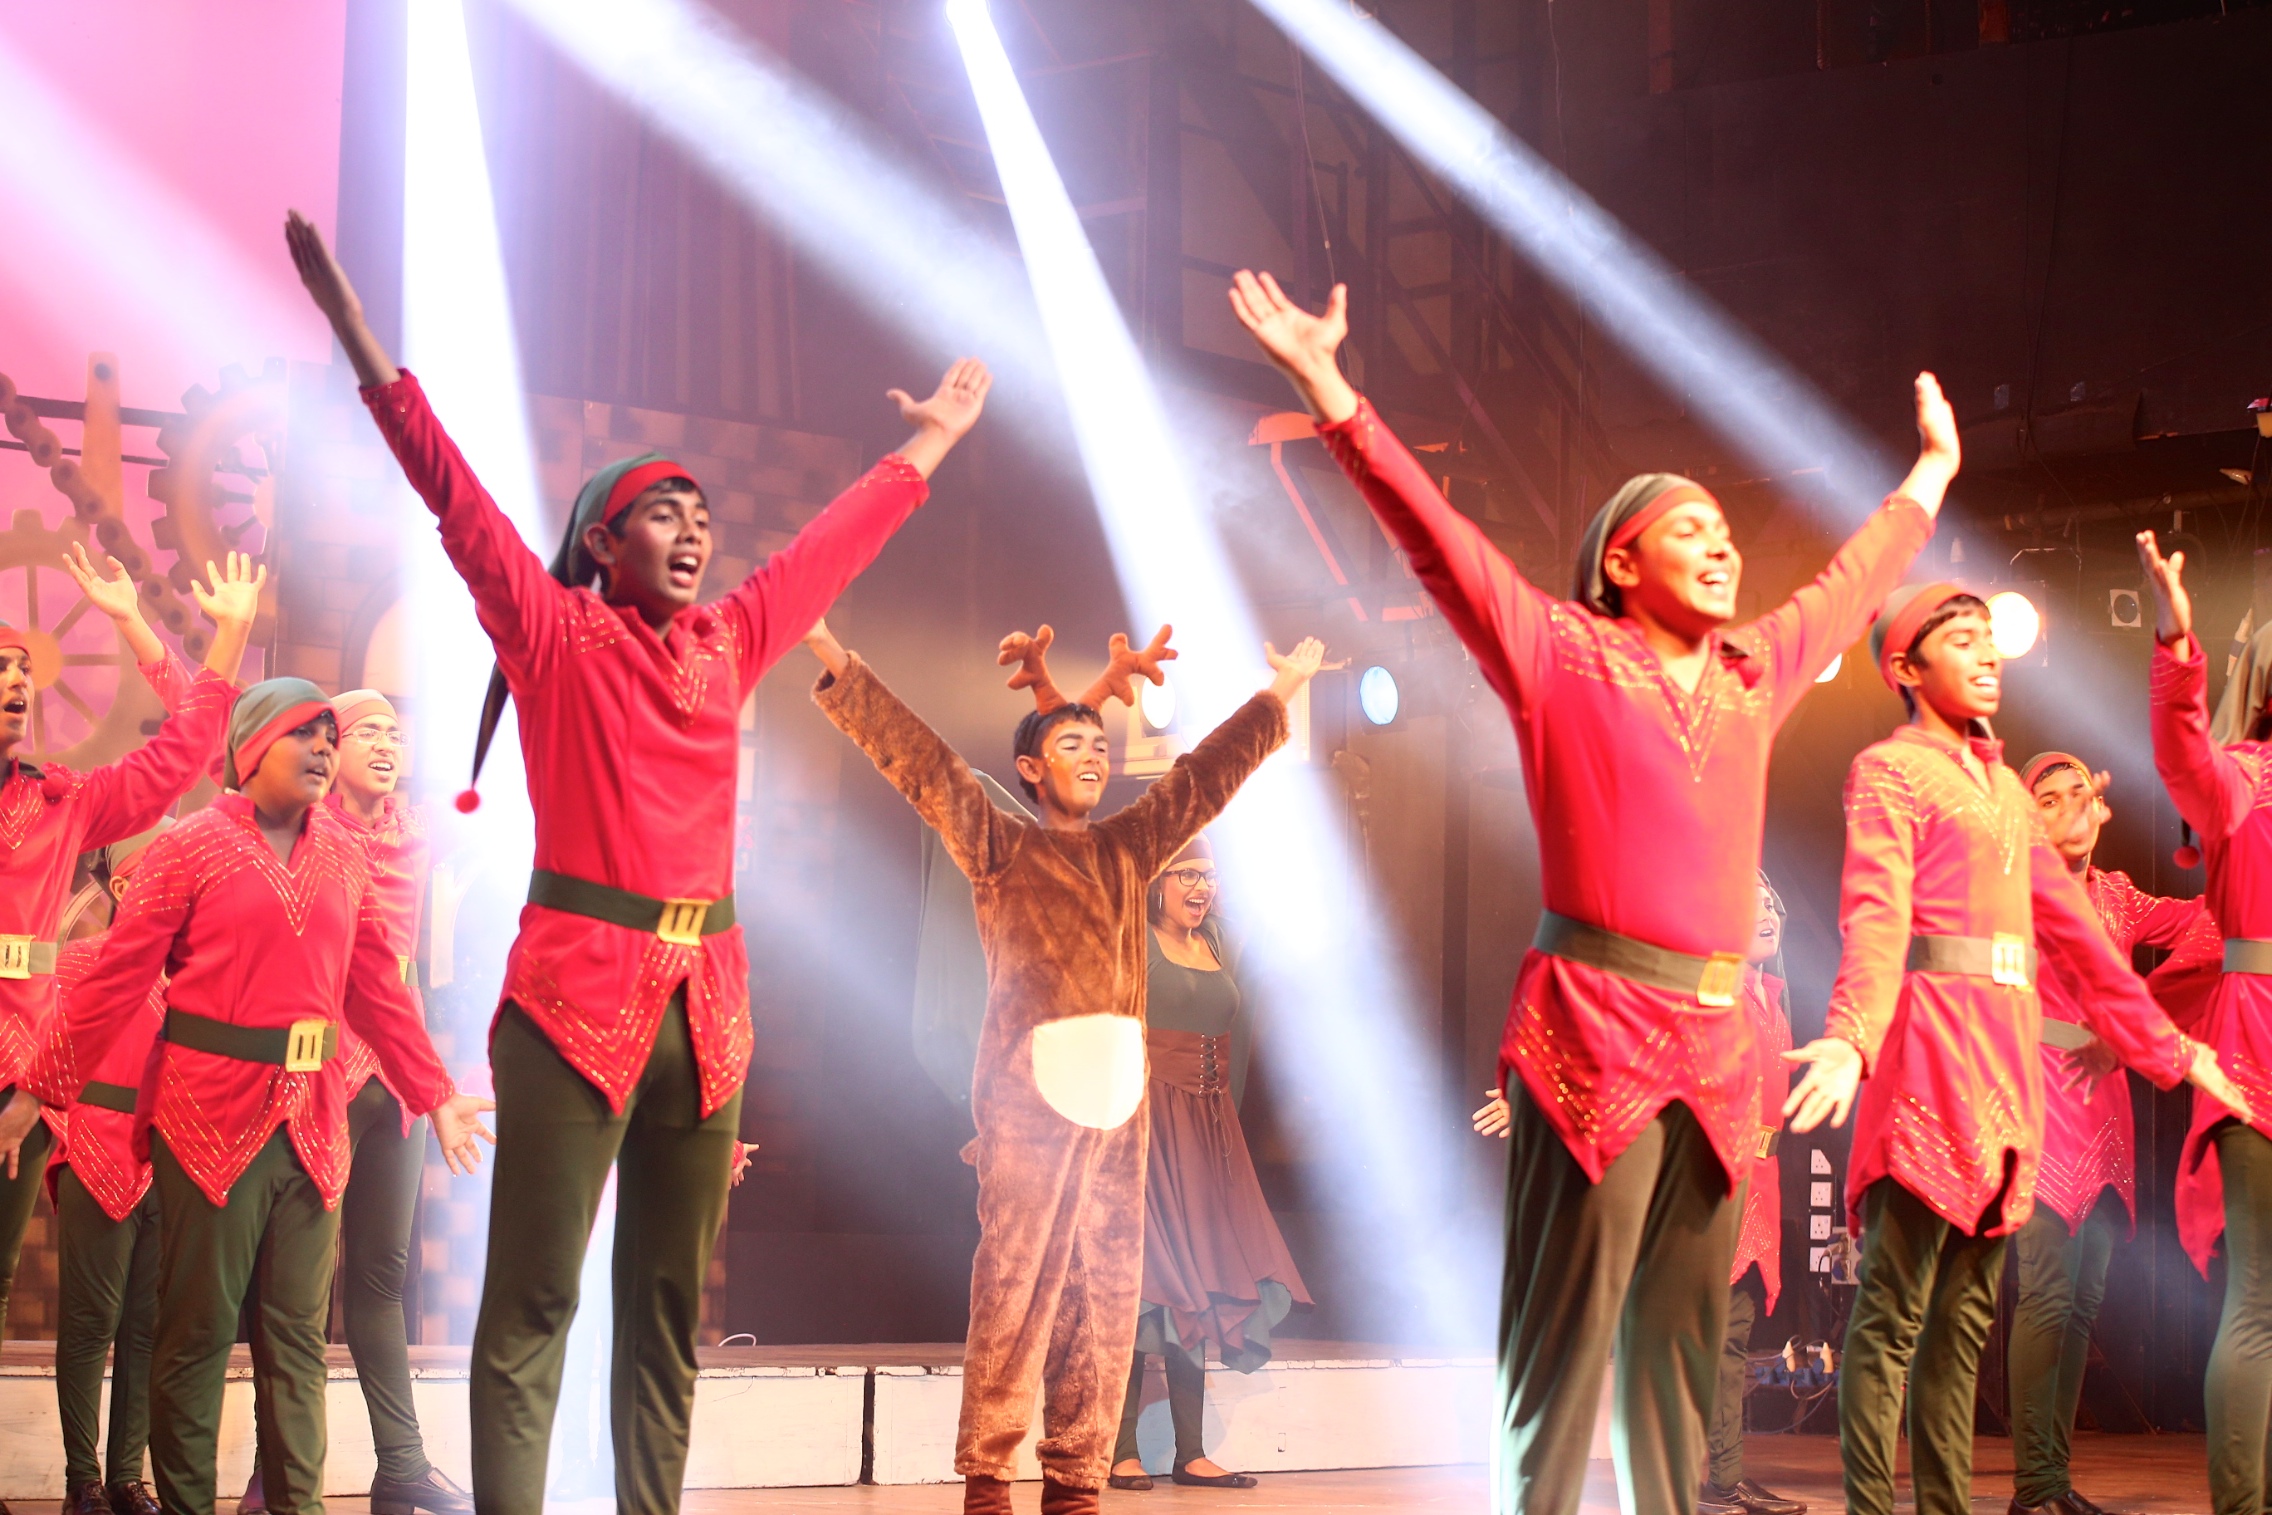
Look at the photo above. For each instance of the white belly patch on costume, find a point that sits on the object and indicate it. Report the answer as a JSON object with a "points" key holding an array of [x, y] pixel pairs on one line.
{"points": [[1091, 1068]]}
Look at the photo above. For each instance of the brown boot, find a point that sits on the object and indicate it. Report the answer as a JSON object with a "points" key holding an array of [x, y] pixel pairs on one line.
{"points": [[985, 1496], [1063, 1499]]}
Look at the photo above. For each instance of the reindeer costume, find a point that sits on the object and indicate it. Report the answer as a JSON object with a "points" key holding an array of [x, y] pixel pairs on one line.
{"points": [[1058, 1097]]}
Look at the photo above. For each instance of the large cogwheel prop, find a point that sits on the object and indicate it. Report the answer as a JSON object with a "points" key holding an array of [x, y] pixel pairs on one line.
{"points": [[89, 704], [222, 458]]}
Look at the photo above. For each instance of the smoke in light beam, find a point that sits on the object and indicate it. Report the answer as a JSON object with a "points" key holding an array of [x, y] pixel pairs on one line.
{"points": [[1374, 1107], [912, 257]]}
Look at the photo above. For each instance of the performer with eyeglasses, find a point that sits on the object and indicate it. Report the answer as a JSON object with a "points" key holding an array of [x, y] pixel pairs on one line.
{"points": [[1217, 1274]]}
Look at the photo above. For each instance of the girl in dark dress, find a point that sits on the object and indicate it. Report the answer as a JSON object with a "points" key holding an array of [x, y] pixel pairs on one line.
{"points": [[1216, 1270]]}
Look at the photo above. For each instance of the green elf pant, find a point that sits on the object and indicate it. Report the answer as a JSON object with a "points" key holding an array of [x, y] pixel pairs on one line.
{"points": [[18, 1196], [274, 1227], [2240, 1364], [1639, 1260], [556, 1141], [2062, 1282], [107, 1297], [375, 1217], [1725, 1449], [1921, 1315]]}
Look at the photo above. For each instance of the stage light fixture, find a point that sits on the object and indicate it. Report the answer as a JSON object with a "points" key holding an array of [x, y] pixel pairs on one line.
{"points": [[1315, 937], [1156, 703], [1830, 675], [2014, 624], [2124, 610], [1377, 695]]}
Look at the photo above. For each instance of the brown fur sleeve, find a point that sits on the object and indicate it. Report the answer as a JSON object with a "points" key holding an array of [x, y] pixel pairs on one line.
{"points": [[1193, 792], [977, 835]]}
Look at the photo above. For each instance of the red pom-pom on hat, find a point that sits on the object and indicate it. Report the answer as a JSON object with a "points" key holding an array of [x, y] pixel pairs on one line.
{"points": [[468, 801], [2188, 856]]}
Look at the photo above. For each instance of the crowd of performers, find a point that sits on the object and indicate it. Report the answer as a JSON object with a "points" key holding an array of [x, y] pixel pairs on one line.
{"points": [[217, 1062]]}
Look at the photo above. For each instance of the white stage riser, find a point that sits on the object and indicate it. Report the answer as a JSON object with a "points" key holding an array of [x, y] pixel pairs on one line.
{"points": [[1288, 1417], [803, 1427]]}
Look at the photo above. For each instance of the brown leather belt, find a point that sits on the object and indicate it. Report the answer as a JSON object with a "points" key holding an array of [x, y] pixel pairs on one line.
{"points": [[108, 1096], [302, 1047], [2008, 959], [2242, 955], [1713, 980], [682, 923]]}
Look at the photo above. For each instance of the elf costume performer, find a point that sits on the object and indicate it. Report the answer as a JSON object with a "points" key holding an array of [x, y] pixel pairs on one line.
{"points": [[49, 815], [1059, 1093], [1949, 884], [2219, 775], [623, 1034], [2086, 1193], [389, 1143], [261, 910], [106, 1232], [1759, 1231], [1644, 725]]}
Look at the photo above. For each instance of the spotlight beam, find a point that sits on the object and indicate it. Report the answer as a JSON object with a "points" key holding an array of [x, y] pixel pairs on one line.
{"points": [[915, 260], [1369, 1098]]}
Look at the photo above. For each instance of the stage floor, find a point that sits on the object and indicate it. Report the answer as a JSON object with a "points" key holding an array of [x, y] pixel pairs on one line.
{"points": [[2151, 1475]]}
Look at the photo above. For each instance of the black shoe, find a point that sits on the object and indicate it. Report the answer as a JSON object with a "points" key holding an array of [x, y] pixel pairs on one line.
{"points": [[1715, 1500], [85, 1499], [433, 1493], [2072, 1503], [1761, 1500], [133, 1497], [1140, 1483], [1192, 1480]]}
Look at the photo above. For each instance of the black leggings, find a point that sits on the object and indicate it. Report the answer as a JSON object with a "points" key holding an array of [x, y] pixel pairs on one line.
{"points": [[1187, 1402]]}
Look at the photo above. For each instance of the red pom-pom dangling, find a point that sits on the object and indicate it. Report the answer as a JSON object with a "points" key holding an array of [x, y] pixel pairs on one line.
{"points": [[2187, 857], [468, 801]]}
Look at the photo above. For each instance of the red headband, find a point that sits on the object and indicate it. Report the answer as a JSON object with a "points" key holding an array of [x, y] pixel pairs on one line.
{"points": [[634, 481], [11, 637], [1641, 520], [248, 753], [2044, 762], [1902, 626]]}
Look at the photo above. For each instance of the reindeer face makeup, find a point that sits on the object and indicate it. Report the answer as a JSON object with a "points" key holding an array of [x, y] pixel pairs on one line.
{"points": [[1063, 756]]}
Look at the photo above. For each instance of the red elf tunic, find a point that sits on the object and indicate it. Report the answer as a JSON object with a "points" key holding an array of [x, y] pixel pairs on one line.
{"points": [[2226, 796], [2089, 1141], [1622, 764], [631, 742], [95, 1141], [48, 816], [253, 941], [1953, 1090], [402, 859], [1759, 1233]]}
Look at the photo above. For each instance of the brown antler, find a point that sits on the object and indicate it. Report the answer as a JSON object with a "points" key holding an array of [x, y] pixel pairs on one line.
{"points": [[1033, 673], [1126, 665]]}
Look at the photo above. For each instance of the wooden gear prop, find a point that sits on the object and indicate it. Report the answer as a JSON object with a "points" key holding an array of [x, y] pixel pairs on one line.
{"points": [[90, 705], [212, 492]]}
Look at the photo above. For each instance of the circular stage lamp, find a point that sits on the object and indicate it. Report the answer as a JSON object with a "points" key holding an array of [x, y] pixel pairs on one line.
{"points": [[1377, 695], [1156, 703], [2014, 623], [1831, 673]]}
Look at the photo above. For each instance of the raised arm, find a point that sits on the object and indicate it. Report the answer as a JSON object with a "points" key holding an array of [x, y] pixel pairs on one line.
{"points": [[938, 783], [1874, 895], [2208, 785], [1500, 616], [774, 606], [1156, 825], [1825, 617], [518, 601], [129, 796]]}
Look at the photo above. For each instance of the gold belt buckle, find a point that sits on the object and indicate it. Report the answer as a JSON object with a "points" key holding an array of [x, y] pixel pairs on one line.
{"points": [[2007, 959], [303, 1046], [1767, 1135], [1716, 986], [682, 920], [15, 956], [407, 966]]}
